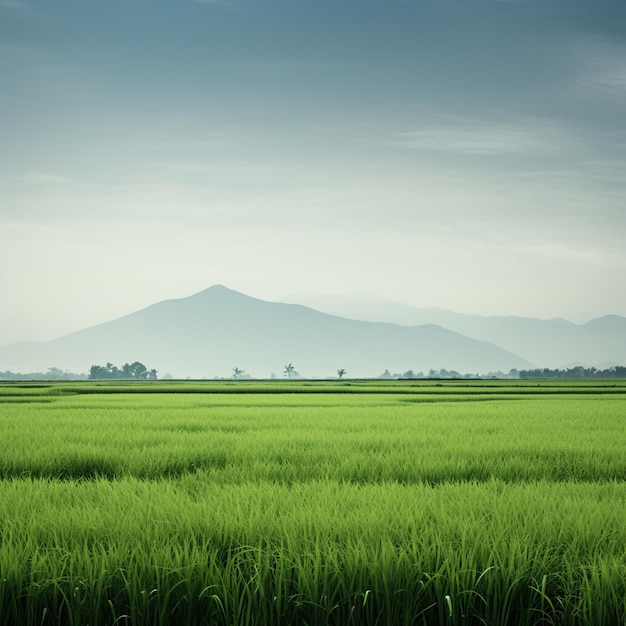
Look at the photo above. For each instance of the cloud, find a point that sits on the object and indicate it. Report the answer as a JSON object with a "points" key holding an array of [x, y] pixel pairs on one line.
{"points": [[20, 51], [45, 178], [558, 251], [240, 171], [603, 73], [611, 79], [13, 5], [215, 2], [221, 5], [18, 8], [482, 138]]}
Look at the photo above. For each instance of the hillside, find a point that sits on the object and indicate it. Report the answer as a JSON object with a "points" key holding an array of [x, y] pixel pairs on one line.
{"points": [[546, 343], [211, 332]]}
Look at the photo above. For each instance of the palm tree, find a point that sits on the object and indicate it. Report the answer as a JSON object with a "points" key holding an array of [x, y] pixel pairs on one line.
{"points": [[237, 373], [341, 373], [290, 371]]}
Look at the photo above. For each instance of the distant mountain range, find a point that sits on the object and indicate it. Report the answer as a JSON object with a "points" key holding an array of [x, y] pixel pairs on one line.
{"points": [[555, 343], [213, 331]]}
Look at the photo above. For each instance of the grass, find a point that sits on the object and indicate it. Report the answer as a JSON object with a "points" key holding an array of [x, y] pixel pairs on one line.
{"points": [[397, 504]]}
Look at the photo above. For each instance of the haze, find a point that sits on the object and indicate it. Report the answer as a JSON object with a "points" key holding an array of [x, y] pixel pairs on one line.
{"points": [[463, 154]]}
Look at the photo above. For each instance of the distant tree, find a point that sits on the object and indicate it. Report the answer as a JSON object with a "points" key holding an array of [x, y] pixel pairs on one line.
{"points": [[290, 371], [132, 371], [128, 371], [53, 373], [97, 372], [341, 373], [112, 371], [237, 373], [138, 370], [577, 372]]}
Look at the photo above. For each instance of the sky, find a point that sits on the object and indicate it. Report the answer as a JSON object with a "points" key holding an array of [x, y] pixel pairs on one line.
{"points": [[463, 154]]}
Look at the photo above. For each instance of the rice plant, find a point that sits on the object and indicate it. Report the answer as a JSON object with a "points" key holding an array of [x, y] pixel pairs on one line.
{"points": [[312, 508]]}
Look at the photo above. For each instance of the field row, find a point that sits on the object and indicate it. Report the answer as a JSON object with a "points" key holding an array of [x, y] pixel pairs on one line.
{"points": [[425, 387], [302, 437], [405, 506]]}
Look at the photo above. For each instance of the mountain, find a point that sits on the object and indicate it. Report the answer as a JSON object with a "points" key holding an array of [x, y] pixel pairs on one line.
{"points": [[546, 343], [368, 308], [213, 331]]}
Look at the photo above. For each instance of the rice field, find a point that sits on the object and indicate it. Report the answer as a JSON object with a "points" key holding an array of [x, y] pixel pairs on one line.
{"points": [[403, 502]]}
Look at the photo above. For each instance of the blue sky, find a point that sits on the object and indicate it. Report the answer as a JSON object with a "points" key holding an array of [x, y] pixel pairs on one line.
{"points": [[467, 154]]}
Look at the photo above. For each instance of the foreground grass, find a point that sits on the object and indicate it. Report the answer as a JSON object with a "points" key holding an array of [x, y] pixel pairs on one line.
{"points": [[179, 552], [313, 508]]}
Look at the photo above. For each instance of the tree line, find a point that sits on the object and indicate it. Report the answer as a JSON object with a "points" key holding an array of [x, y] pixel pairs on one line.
{"points": [[128, 371], [576, 373], [432, 373], [138, 371], [53, 374]]}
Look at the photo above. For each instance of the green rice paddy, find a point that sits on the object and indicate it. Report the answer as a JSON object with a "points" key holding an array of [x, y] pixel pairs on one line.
{"points": [[254, 503]]}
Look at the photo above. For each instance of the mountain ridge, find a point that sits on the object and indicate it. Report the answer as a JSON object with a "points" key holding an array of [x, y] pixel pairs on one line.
{"points": [[210, 332], [550, 342]]}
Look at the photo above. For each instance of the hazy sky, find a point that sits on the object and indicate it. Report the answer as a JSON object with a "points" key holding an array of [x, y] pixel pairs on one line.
{"points": [[467, 154]]}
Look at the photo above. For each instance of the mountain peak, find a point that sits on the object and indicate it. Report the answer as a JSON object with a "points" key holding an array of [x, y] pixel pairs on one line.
{"points": [[217, 290]]}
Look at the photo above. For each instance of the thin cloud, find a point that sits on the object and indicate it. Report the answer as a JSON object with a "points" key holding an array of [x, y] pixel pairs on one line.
{"points": [[231, 168], [222, 3], [45, 178], [544, 7], [18, 9], [22, 51], [13, 5], [603, 73], [611, 79], [480, 138], [561, 252]]}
